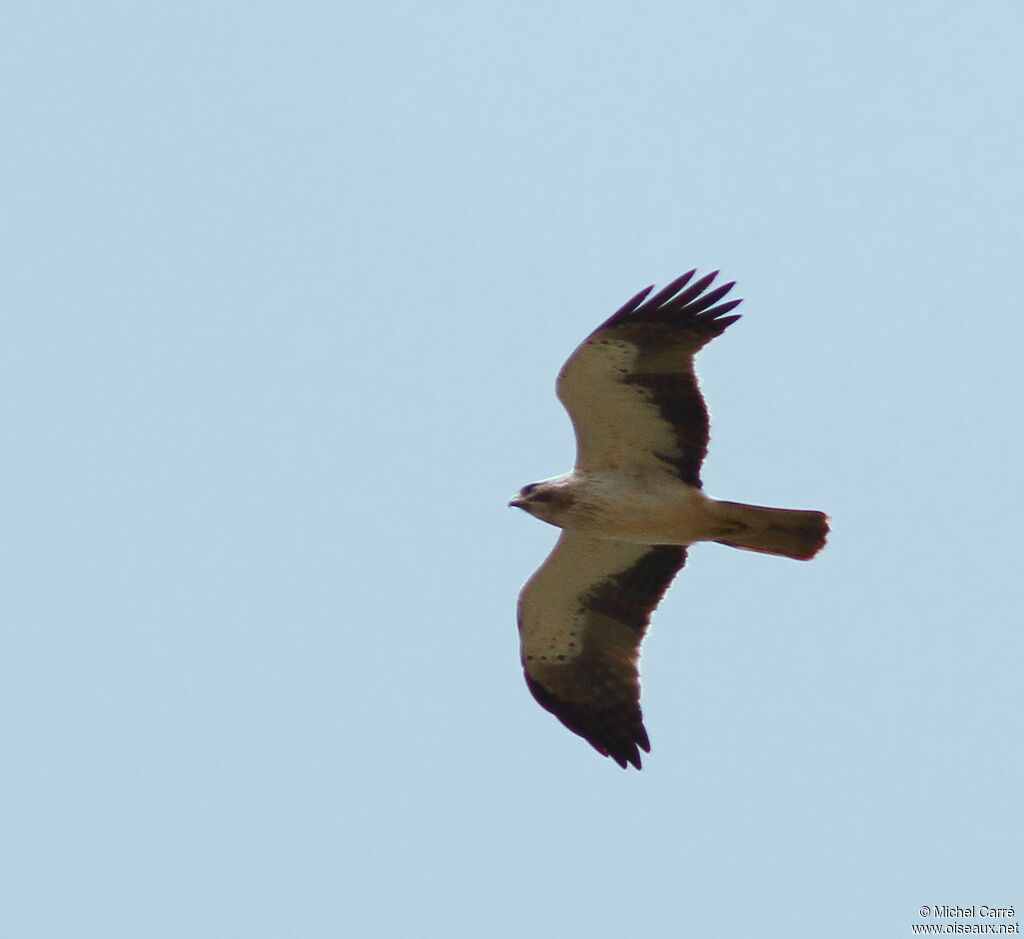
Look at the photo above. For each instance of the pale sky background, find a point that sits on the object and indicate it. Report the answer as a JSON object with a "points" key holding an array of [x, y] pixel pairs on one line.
{"points": [[286, 289]]}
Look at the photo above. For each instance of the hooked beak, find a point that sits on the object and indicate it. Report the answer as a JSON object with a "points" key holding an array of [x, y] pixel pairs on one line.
{"points": [[517, 503]]}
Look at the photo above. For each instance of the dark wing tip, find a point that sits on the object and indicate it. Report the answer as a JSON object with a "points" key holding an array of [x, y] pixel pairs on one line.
{"points": [[612, 732], [666, 293], [680, 302], [627, 754], [632, 303], [641, 743]]}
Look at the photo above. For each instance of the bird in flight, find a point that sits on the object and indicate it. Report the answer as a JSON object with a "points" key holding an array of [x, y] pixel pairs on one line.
{"points": [[629, 509]]}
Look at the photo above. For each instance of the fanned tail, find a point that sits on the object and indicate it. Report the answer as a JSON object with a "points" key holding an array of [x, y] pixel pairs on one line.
{"points": [[788, 533]]}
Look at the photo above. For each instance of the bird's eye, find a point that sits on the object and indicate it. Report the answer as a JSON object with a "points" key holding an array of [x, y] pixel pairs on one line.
{"points": [[543, 497]]}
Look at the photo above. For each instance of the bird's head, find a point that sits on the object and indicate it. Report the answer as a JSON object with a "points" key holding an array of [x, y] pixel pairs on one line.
{"points": [[545, 500]]}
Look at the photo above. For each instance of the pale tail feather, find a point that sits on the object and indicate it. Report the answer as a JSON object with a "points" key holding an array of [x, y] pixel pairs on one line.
{"points": [[789, 533]]}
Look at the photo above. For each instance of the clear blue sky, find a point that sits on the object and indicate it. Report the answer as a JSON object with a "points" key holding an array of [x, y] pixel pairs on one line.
{"points": [[285, 293]]}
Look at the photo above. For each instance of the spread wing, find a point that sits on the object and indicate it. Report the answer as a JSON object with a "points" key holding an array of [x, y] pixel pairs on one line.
{"points": [[582, 617], [630, 387]]}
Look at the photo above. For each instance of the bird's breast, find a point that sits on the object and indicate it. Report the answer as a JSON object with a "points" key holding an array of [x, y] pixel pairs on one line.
{"points": [[640, 511]]}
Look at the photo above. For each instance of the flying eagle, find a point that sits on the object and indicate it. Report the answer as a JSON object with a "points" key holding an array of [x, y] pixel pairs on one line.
{"points": [[629, 509]]}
